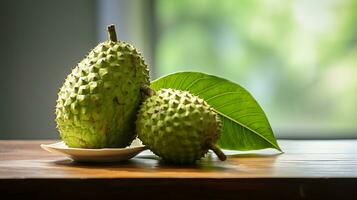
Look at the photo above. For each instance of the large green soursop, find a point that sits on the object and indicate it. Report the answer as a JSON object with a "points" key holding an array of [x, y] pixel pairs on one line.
{"points": [[178, 126], [99, 100]]}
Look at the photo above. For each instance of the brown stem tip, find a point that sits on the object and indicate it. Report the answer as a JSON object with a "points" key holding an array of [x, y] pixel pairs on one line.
{"points": [[112, 34], [217, 151], [147, 90]]}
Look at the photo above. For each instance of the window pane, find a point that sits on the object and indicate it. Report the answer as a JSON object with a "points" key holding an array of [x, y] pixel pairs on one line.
{"points": [[298, 57]]}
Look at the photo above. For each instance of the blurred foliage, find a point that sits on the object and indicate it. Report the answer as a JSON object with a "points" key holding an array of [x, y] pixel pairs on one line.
{"points": [[298, 57]]}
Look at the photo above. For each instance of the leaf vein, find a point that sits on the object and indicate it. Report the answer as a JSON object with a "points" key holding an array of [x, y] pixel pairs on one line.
{"points": [[248, 128]]}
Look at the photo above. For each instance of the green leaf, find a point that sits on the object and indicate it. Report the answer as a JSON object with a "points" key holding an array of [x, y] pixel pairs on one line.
{"points": [[245, 125]]}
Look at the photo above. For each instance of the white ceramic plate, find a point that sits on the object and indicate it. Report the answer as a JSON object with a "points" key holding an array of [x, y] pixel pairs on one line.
{"points": [[95, 155]]}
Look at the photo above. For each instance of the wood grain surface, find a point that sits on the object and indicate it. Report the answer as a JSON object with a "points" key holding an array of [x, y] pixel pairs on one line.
{"points": [[310, 169]]}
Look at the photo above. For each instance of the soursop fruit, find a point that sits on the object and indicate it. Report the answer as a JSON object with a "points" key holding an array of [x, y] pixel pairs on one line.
{"points": [[178, 126], [99, 100]]}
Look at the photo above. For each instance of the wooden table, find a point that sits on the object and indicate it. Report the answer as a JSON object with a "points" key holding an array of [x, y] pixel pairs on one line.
{"points": [[310, 169]]}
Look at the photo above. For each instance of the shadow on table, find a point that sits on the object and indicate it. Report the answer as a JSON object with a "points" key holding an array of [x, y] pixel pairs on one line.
{"points": [[144, 163]]}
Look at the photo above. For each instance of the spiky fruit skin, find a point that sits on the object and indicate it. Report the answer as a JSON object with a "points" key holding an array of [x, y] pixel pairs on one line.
{"points": [[98, 101], [177, 126]]}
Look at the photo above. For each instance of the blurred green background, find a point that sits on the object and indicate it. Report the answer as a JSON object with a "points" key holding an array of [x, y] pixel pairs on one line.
{"points": [[297, 57]]}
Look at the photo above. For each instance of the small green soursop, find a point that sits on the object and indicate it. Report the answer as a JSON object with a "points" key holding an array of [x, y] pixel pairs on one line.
{"points": [[99, 100], [178, 126]]}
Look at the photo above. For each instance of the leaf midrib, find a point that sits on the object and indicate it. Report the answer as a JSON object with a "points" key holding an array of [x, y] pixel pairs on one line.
{"points": [[246, 127]]}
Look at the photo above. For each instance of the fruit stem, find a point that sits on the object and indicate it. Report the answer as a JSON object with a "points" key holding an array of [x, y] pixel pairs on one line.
{"points": [[112, 34], [217, 151], [147, 90]]}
